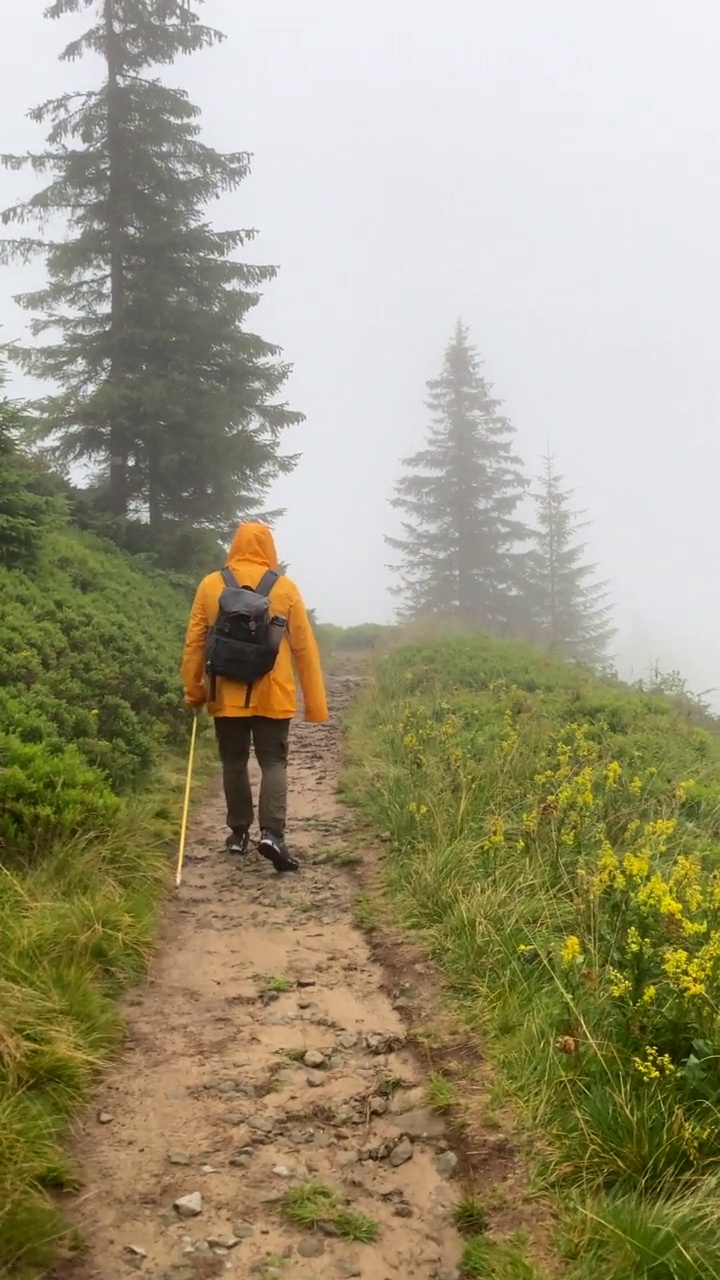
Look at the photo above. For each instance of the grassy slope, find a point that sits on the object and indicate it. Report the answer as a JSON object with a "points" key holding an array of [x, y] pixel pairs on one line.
{"points": [[89, 704], [555, 837]]}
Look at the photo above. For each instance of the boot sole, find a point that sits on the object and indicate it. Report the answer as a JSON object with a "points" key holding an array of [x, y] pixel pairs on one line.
{"points": [[282, 862]]}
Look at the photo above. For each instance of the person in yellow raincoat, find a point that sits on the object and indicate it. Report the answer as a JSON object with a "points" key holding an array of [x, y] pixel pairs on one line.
{"points": [[259, 714]]}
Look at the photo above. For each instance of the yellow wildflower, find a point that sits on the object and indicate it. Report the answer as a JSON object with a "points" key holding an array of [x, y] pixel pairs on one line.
{"points": [[612, 773], [637, 865], [654, 1065], [620, 986], [571, 950], [634, 941]]}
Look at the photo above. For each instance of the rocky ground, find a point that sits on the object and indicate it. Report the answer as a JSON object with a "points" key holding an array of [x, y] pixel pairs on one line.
{"points": [[267, 1118]]}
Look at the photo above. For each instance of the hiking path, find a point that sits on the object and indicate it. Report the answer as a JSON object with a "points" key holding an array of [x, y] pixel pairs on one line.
{"points": [[266, 1053]]}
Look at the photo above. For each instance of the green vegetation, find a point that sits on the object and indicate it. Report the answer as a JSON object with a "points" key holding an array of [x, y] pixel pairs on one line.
{"points": [[140, 328], [442, 1093], [555, 838], [90, 709], [311, 1204], [470, 1217]]}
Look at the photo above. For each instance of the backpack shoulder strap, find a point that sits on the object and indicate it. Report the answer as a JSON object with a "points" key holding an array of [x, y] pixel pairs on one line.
{"points": [[228, 577], [267, 582]]}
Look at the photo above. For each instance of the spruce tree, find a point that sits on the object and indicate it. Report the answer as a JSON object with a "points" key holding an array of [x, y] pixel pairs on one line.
{"points": [[461, 547], [569, 607], [161, 390]]}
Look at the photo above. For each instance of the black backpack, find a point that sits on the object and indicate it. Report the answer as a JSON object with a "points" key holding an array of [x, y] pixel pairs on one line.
{"points": [[244, 642]]}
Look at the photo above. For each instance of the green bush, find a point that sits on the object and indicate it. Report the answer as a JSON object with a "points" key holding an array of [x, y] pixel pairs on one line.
{"points": [[89, 658], [48, 795]]}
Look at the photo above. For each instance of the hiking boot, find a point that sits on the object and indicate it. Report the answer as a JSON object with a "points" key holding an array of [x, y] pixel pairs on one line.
{"points": [[273, 847], [238, 841]]}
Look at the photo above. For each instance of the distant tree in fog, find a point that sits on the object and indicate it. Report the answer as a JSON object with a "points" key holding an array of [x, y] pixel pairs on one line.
{"points": [[567, 607], [461, 549]]}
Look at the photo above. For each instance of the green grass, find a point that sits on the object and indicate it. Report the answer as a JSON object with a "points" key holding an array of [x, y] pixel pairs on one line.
{"points": [[470, 1217], [279, 986], [442, 1093], [365, 914], [554, 839], [311, 1204]]}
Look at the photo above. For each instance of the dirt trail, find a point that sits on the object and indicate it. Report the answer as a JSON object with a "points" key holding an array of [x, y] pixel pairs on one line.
{"points": [[263, 1054]]}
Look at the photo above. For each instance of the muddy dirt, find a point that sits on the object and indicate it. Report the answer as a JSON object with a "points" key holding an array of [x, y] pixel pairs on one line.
{"points": [[263, 1054]]}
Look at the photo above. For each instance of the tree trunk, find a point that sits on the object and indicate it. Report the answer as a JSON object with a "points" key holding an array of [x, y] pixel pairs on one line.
{"points": [[118, 433]]}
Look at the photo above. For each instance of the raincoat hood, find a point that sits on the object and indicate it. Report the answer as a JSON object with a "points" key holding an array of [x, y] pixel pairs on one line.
{"points": [[253, 543]]}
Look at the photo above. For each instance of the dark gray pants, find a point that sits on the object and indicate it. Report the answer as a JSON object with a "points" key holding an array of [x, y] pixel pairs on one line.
{"points": [[235, 735]]}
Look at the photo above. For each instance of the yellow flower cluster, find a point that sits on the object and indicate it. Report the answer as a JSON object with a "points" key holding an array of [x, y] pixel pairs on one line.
{"points": [[654, 1065], [571, 950]]}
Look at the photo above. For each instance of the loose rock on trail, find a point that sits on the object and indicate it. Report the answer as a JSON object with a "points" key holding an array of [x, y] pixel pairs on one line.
{"points": [[264, 1056]]}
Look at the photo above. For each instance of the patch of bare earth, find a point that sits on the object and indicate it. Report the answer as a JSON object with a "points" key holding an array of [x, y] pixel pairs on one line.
{"points": [[264, 1053]]}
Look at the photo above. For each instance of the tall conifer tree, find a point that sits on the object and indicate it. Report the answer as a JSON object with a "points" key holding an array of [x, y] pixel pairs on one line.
{"points": [[461, 547], [161, 391], [569, 606]]}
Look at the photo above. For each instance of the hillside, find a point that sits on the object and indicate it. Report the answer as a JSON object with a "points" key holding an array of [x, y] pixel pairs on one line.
{"points": [[89, 705], [554, 840]]}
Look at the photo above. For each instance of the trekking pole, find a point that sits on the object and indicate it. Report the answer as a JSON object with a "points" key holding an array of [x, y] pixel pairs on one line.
{"points": [[186, 803]]}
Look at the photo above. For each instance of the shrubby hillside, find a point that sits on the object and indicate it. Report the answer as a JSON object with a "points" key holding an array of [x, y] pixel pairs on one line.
{"points": [[89, 697], [89, 647]]}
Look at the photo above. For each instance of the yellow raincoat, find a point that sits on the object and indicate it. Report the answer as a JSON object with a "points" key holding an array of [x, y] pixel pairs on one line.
{"points": [[252, 553]]}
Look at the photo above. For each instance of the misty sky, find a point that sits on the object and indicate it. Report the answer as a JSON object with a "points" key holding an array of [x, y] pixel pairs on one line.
{"points": [[546, 169]]}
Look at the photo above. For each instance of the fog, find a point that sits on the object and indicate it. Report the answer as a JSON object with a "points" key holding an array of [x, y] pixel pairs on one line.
{"points": [[547, 171]]}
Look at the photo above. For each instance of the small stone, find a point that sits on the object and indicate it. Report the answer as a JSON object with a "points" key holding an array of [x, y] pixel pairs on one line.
{"points": [[403, 1002], [313, 1058], [306, 982], [305, 1004], [377, 1106], [240, 1162], [105, 1117], [403, 1211], [223, 1243], [210, 1168], [134, 1251], [282, 1171], [451, 1274], [446, 1163], [189, 1206], [315, 1079], [348, 1268], [420, 1123], [261, 1124], [311, 1247], [386, 837], [178, 1157], [243, 1230], [348, 1040], [400, 1154]]}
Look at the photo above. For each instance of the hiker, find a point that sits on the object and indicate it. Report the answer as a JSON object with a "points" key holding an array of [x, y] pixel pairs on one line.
{"points": [[247, 624]]}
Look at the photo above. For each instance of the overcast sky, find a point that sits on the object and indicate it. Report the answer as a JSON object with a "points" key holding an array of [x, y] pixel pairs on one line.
{"points": [[546, 169]]}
